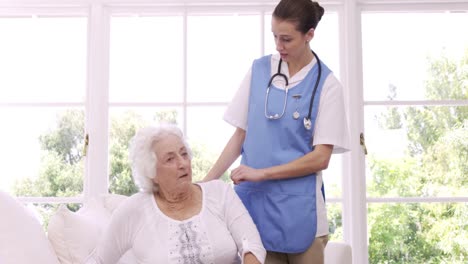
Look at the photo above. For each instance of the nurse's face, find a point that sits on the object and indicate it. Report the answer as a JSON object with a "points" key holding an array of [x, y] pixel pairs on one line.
{"points": [[290, 43]]}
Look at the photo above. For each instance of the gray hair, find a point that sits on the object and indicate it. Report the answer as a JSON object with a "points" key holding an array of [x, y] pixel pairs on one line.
{"points": [[143, 157]]}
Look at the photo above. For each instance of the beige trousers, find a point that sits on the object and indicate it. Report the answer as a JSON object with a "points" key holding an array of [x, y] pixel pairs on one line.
{"points": [[313, 255]]}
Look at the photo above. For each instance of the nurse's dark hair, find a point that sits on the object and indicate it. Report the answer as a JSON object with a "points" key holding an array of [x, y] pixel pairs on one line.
{"points": [[306, 13]]}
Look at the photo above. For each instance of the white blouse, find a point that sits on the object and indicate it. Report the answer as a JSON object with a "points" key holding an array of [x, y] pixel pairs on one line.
{"points": [[222, 232]]}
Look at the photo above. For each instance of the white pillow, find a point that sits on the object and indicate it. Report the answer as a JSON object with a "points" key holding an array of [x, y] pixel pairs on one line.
{"points": [[74, 235], [112, 201], [22, 238]]}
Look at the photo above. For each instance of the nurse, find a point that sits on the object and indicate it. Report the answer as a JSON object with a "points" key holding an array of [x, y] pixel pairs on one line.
{"points": [[290, 117]]}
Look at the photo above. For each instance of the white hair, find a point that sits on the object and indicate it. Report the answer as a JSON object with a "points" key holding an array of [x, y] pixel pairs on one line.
{"points": [[143, 157]]}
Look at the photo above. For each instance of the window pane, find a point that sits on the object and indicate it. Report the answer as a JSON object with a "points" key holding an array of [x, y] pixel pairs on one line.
{"points": [[146, 59], [205, 124], [335, 221], [418, 233], [43, 59], [417, 151], [42, 148], [207, 134], [332, 177], [325, 42], [403, 53], [123, 125], [220, 50]]}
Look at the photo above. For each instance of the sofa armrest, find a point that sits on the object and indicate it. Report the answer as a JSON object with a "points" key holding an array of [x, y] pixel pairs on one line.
{"points": [[22, 238], [338, 253]]}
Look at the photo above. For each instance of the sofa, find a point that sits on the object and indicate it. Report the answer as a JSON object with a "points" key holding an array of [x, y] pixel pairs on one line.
{"points": [[71, 236]]}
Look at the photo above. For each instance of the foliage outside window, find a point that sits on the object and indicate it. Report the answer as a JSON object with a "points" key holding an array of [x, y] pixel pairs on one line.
{"points": [[435, 164]]}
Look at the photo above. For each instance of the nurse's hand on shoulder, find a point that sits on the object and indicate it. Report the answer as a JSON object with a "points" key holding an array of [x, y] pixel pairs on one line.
{"points": [[245, 173]]}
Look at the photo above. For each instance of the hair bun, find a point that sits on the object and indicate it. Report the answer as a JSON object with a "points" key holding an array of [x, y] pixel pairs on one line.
{"points": [[319, 10]]}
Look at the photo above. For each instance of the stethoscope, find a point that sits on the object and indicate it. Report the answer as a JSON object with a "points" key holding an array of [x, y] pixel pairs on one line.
{"points": [[307, 121]]}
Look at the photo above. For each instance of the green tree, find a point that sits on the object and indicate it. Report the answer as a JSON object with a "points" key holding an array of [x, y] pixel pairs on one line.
{"points": [[123, 128], [61, 173], [448, 80], [391, 119], [67, 140], [436, 164], [61, 170]]}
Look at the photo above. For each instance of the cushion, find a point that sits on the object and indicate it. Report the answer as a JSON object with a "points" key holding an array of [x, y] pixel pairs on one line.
{"points": [[22, 239], [112, 201], [74, 235], [338, 253]]}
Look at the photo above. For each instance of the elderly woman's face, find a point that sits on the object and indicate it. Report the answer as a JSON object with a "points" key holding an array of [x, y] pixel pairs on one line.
{"points": [[174, 168]]}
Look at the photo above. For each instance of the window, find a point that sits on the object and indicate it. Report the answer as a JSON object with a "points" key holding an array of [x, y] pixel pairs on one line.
{"points": [[416, 112], [42, 100]]}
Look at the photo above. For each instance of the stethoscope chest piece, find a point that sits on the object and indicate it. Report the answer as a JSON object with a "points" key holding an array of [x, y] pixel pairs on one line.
{"points": [[307, 123]]}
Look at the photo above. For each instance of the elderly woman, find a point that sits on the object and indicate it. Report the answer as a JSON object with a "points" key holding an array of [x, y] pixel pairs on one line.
{"points": [[173, 220]]}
